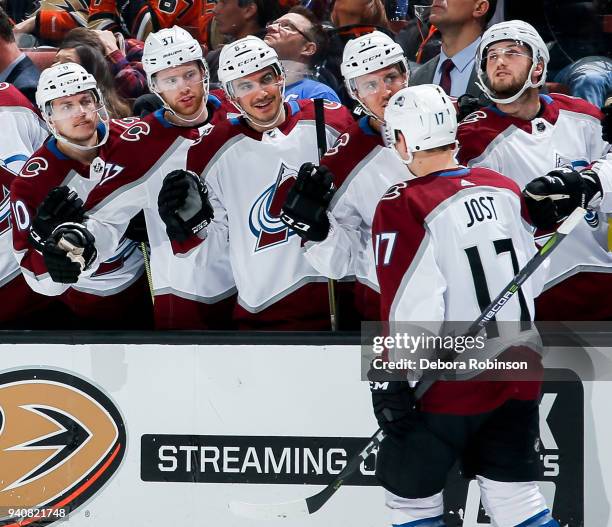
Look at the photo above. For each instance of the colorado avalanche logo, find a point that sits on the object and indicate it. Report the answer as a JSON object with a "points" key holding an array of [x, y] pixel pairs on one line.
{"points": [[473, 117], [34, 167], [264, 218], [134, 132]]}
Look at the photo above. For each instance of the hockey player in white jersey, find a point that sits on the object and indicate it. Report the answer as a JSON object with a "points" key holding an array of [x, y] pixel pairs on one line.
{"points": [[374, 69], [73, 108], [525, 135], [135, 164], [445, 243], [22, 133], [248, 168]]}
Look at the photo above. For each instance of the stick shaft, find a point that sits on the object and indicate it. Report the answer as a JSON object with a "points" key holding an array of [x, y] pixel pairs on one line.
{"points": [[321, 149]]}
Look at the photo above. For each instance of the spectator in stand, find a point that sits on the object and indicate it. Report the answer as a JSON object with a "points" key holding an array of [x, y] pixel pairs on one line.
{"points": [[300, 42], [360, 12], [419, 39], [54, 19], [461, 24], [352, 19], [83, 47], [237, 19], [15, 67], [125, 64]]}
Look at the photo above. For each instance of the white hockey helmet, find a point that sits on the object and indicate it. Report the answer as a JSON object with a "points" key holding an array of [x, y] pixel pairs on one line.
{"points": [[65, 80], [424, 115], [517, 31], [368, 53], [243, 57], [168, 48]]}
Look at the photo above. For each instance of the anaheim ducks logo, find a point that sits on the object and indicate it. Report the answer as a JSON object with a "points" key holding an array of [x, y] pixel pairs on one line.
{"points": [[61, 439]]}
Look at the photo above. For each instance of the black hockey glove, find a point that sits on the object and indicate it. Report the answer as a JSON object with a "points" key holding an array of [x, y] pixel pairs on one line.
{"points": [[183, 205], [551, 198], [393, 401], [606, 122], [467, 104], [61, 205], [68, 251], [305, 208]]}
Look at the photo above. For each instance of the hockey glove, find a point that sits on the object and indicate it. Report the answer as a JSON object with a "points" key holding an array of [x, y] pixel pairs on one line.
{"points": [[183, 205], [305, 208], [466, 105], [61, 205], [394, 403], [68, 251], [606, 122], [551, 198]]}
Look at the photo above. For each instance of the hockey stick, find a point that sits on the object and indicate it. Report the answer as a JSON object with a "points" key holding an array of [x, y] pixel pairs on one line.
{"points": [[306, 506], [322, 148], [147, 266], [489, 312]]}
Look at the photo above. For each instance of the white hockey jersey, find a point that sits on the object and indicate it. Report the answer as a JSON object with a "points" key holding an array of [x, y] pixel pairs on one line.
{"points": [[567, 132], [363, 170], [248, 175], [445, 245], [147, 151], [22, 133]]}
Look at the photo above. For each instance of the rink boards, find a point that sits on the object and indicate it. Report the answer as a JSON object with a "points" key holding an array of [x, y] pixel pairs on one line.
{"points": [[167, 434]]}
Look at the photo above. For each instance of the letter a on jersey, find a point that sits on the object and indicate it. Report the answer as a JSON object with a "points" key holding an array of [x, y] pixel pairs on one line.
{"points": [[264, 219]]}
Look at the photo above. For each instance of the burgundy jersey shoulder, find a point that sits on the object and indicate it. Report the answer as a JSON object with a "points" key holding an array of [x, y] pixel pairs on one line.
{"points": [[478, 130], [46, 168], [422, 195], [213, 141], [133, 147], [350, 149], [11, 96], [221, 105], [576, 105], [336, 115]]}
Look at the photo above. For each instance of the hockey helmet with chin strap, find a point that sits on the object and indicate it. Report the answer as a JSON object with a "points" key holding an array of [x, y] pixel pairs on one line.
{"points": [[424, 115], [169, 48], [65, 80], [242, 58], [521, 33], [367, 54]]}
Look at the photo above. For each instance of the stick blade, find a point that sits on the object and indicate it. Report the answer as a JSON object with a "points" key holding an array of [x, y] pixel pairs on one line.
{"points": [[270, 511]]}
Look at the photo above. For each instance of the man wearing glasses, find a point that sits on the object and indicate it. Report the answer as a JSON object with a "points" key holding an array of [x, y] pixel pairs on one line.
{"points": [[133, 168], [248, 168], [526, 135], [374, 69], [300, 42]]}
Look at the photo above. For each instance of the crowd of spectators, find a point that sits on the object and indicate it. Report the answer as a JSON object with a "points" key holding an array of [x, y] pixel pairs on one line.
{"points": [[439, 38]]}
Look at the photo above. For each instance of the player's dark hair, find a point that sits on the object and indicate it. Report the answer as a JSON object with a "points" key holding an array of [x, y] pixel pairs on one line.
{"points": [[267, 10], [443, 148], [6, 27], [316, 33]]}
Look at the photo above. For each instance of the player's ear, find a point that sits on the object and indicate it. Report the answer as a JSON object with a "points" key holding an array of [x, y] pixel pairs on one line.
{"points": [[309, 49], [250, 10], [401, 146], [538, 72]]}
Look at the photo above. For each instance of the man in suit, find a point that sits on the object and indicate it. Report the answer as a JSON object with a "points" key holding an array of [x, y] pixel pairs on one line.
{"points": [[15, 67], [461, 24]]}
